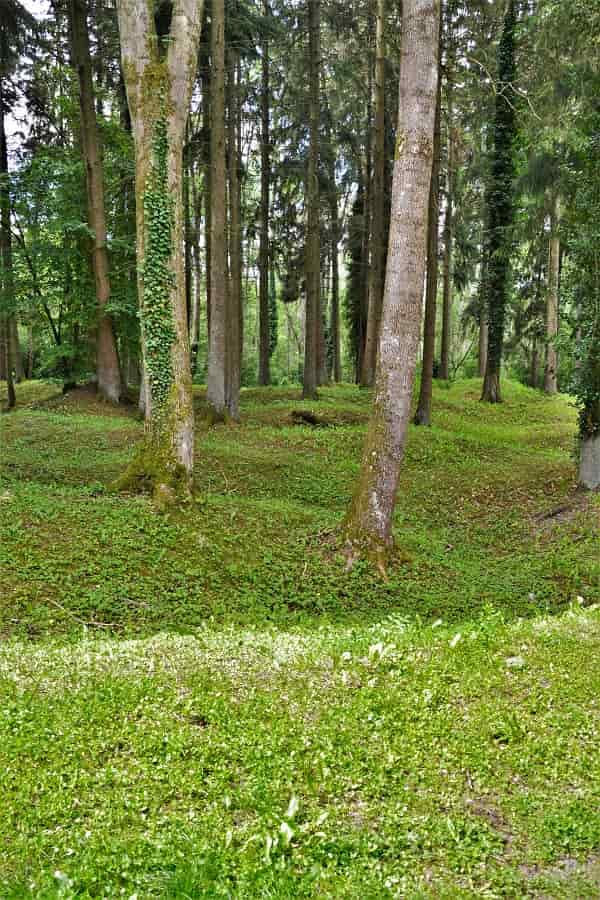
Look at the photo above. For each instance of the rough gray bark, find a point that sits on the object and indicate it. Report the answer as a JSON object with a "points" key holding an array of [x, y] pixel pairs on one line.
{"points": [[107, 360], [219, 280], [159, 73], [368, 527], [589, 462], [313, 328], [551, 369], [377, 254]]}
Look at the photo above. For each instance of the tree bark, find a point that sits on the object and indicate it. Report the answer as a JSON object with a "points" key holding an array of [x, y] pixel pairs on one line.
{"points": [[551, 370], [7, 286], [369, 522], [313, 328], [219, 280], [234, 330], [159, 74], [500, 208], [449, 220], [377, 254], [335, 285], [423, 413], [264, 338], [107, 360]]}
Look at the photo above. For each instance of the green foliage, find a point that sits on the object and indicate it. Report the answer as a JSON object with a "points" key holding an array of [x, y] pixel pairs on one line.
{"points": [[156, 309]]}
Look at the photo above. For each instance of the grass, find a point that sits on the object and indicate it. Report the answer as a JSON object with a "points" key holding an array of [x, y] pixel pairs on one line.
{"points": [[207, 705]]}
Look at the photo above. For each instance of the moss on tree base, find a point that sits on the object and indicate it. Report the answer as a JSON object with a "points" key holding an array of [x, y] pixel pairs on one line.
{"points": [[152, 471]]}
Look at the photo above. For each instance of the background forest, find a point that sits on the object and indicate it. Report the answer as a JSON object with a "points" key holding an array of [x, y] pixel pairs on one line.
{"points": [[241, 242]]}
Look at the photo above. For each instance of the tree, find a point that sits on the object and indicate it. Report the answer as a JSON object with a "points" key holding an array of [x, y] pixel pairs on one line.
{"points": [[423, 413], [500, 207], [264, 374], [107, 360], [368, 526], [377, 268], [219, 281], [159, 56], [313, 329], [551, 368]]}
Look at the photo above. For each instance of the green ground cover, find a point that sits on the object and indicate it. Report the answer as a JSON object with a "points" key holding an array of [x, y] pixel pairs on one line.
{"points": [[207, 705]]}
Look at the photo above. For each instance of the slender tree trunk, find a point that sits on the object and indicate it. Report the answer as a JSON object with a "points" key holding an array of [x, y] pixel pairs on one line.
{"points": [[377, 254], [551, 370], [423, 414], [369, 521], [219, 280], [500, 208], [234, 331], [159, 73], [7, 287], [264, 339], [448, 227], [313, 326], [107, 360], [335, 285], [197, 269]]}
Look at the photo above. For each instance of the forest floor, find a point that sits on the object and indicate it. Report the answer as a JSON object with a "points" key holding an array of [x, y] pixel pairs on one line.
{"points": [[207, 705]]}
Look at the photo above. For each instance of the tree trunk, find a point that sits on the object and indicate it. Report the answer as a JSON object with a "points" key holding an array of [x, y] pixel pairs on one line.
{"points": [[377, 255], [7, 287], [500, 208], [159, 73], [483, 343], [107, 360], [369, 522], [219, 280], [423, 414], [335, 285], [197, 270], [535, 357], [551, 370], [313, 329], [446, 343], [234, 330], [264, 331]]}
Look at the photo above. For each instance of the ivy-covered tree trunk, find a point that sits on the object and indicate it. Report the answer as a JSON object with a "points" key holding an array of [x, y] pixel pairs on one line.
{"points": [[313, 325], [159, 66], [264, 331], [377, 255], [368, 527], [551, 369], [500, 207], [107, 360], [219, 278], [423, 413]]}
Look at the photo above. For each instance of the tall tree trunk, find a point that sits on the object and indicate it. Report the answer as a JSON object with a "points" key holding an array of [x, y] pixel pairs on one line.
{"points": [[369, 522], [197, 269], [336, 348], [377, 254], [551, 370], [234, 312], [483, 343], [159, 70], [264, 331], [446, 344], [7, 287], [423, 413], [107, 360], [500, 207], [313, 329], [219, 280]]}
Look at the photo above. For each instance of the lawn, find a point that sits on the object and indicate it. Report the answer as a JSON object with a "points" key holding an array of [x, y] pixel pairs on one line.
{"points": [[207, 704]]}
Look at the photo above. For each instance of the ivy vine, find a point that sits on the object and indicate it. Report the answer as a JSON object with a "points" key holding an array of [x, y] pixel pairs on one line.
{"points": [[158, 276]]}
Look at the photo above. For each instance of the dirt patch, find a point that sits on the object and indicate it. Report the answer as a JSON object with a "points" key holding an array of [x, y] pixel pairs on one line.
{"points": [[566, 869], [579, 503], [86, 400]]}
